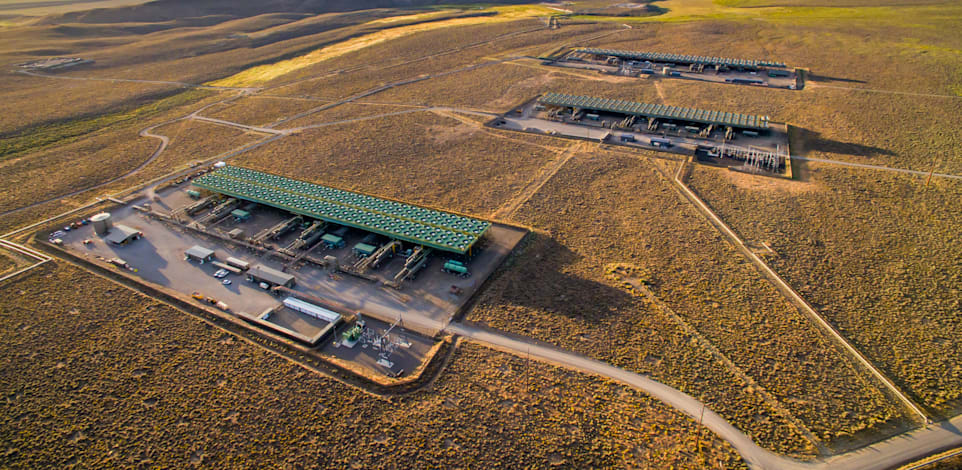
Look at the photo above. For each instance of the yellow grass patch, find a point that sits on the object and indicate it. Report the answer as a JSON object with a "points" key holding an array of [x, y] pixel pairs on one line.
{"points": [[265, 73], [415, 17]]}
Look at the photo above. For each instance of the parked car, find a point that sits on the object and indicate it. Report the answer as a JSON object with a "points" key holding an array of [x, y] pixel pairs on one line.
{"points": [[221, 273], [226, 282]]}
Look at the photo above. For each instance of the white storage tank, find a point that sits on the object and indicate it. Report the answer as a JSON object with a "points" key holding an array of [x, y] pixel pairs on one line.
{"points": [[101, 223]]}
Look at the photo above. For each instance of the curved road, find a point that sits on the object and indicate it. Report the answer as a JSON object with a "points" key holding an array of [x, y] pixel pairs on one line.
{"points": [[132, 80], [887, 454], [164, 141]]}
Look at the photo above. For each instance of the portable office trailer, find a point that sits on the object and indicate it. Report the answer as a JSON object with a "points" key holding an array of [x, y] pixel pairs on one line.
{"points": [[227, 267], [310, 309], [238, 263]]}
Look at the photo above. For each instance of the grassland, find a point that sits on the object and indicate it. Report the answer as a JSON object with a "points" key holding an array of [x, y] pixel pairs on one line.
{"points": [[499, 87], [542, 294], [656, 291], [105, 377], [36, 138], [72, 166], [47, 7], [430, 52], [593, 208], [259, 110], [97, 157], [873, 252], [355, 110], [421, 158], [192, 141], [11, 261], [265, 73], [77, 101], [692, 11]]}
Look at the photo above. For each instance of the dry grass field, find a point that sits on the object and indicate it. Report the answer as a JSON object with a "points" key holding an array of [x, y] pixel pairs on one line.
{"points": [[391, 31], [619, 267], [611, 210], [427, 53], [543, 294], [363, 110], [84, 163], [75, 99], [258, 110], [420, 157], [33, 135], [109, 152], [499, 87], [105, 377], [191, 141], [873, 252]]}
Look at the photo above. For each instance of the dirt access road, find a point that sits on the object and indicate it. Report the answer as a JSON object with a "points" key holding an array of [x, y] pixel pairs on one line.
{"points": [[887, 454]]}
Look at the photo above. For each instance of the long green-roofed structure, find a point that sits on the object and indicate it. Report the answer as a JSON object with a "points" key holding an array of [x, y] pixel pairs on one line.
{"points": [[432, 228], [681, 58], [659, 111]]}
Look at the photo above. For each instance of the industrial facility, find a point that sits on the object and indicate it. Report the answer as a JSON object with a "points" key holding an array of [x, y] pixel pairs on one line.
{"points": [[297, 319], [54, 63], [398, 221], [715, 69], [741, 141], [292, 260]]}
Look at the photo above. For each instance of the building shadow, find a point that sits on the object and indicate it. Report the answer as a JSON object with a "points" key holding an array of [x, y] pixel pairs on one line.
{"points": [[804, 141], [143, 256], [538, 277], [814, 77]]}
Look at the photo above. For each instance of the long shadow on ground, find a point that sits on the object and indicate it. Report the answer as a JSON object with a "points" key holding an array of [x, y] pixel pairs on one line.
{"points": [[539, 277], [805, 141]]}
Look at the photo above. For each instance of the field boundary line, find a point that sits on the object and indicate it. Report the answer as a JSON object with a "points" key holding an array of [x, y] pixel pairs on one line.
{"points": [[878, 167], [721, 356], [535, 185], [810, 84], [237, 125], [145, 132], [23, 270], [134, 80], [790, 293], [931, 460], [26, 251]]}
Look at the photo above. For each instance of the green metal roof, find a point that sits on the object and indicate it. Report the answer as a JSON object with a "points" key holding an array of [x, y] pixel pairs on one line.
{"points": [[365, 248], [680, 58], [743, 121], [331, 238], [436, 229]]}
